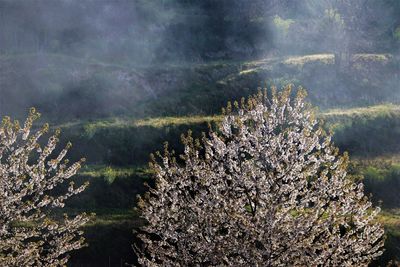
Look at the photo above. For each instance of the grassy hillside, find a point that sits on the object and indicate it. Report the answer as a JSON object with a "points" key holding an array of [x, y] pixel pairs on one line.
{"points": [[364, 132], [65, 88], [117, 115], [120, 78], [117, 150]]}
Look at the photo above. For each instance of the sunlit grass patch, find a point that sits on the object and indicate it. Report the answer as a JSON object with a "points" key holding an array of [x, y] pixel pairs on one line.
{"points": [[372, 57], [90, 128], [370, 111], [390, 219], [186, 120], [383, 159], [110, 173], [248, 71], [114, 216], [351, 119], [301, 60]]}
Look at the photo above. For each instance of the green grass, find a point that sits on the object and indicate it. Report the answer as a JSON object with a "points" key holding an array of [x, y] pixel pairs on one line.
{"points": [[301, 60], [104, 217], [68, 85], [343, 118], [372, 57], [110, 173], [96, 171], [364, 132], [329, 59], [370, 111], [168, 121], [391, 219]]}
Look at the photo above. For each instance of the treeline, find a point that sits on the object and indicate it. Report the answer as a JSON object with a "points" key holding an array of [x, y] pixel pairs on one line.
{"points": [[142, 31]]}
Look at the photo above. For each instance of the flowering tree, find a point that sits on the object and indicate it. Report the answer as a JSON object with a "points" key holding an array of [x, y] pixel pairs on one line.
{"points": [[267, 189], [29, 234]]}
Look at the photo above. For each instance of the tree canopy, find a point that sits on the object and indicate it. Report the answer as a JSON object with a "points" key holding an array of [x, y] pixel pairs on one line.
{"points": [[31, 232], [267, 188]]}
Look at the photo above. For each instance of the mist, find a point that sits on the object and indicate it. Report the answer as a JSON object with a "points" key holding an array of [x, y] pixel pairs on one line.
{"points": [[120, 77], [101, 56]]}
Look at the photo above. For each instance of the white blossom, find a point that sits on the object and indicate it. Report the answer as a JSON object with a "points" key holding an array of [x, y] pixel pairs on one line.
{"points": [[268, 188], [30, 234]]}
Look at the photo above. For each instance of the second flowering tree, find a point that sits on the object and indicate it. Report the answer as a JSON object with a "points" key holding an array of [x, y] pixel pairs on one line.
{"points": [[267, 188]]}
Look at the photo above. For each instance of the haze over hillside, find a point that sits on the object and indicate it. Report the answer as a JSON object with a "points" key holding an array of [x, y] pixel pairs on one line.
{"points": [[115, 57], [120, 77]]}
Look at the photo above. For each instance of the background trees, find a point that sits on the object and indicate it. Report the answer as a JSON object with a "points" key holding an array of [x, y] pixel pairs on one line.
{"points": [[112, 48], [143, 32], [353, 26], [31, 232], [267, 189]]}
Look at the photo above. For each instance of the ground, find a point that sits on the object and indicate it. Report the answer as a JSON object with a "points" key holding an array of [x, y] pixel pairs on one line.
{"points": [[129, 111]]}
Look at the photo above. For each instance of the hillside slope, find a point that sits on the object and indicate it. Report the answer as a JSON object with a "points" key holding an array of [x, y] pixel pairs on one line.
{"points": [[66, 88]]}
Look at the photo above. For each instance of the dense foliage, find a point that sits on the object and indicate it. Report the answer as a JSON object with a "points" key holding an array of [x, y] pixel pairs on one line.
{"points": [[268, 188]]}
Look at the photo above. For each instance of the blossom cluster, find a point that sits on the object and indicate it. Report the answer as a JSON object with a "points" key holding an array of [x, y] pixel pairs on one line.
{"points": [[30, 232], [267, 188]]}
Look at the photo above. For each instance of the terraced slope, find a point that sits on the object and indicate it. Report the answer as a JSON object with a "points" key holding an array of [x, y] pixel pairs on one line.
{"points": [[364, 132], [117, 115], [117, 150], [67, 88]]}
